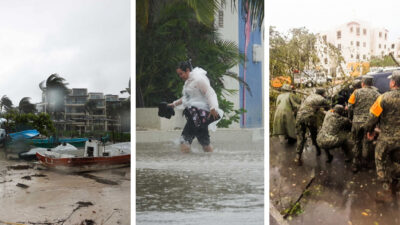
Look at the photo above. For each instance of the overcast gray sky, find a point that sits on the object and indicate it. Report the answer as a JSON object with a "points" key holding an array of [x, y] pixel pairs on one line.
{"points": [[317, 15], [87, 42]]}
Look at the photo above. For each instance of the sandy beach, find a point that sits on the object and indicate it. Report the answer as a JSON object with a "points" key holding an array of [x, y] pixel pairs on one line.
{"points": [[30, 194]]}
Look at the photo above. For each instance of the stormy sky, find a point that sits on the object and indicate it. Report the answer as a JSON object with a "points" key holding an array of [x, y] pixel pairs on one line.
{"points": [[320, 16], [87, 42]]}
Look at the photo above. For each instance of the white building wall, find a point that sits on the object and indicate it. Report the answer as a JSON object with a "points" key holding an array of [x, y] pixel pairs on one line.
{"points": [[230, 31]]}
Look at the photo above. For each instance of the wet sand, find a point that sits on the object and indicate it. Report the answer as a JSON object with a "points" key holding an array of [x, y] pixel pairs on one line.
{"points": [[40, 196], [336, 196]]}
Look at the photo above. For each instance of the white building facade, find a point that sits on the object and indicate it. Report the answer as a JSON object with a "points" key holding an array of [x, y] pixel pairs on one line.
{"points": [[358, 41]]}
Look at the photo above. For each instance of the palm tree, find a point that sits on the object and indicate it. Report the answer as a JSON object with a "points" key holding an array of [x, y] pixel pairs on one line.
{"points": [[256, 9], [55, 91], [90, 108], [5, 103], [25, 106]]}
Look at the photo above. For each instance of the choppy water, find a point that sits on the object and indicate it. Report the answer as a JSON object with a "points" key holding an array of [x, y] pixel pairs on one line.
{"points": [[223, 187]]}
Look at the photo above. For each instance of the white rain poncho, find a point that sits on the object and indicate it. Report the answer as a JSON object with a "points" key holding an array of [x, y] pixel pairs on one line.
{"points": [[197, 92]]}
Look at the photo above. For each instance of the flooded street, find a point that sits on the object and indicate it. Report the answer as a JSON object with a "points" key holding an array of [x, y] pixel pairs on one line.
{"points": [[32, 195], [336, 196], [223, 187]]}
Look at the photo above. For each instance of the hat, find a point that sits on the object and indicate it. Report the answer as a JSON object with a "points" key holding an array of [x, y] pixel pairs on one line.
{"points": [[286, 87], [320, 91], [395, 76]]}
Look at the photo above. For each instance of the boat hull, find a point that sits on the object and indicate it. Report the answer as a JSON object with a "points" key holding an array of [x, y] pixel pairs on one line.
{"points": [[81, 164]]}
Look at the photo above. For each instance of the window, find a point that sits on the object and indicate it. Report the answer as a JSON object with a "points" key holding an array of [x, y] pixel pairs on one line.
{"points": [[364, 44], [380, 34], [351, 56], [351, 42], [339, 34], [324, 38], [339, 46], [358, 44], [384, 46], [392, 46], [365, 31], [379, 46], [358, 31], [220, 18], [326, 61], [385, 36], [325, 50], [364, 57], [351, 29], [358, 56]]}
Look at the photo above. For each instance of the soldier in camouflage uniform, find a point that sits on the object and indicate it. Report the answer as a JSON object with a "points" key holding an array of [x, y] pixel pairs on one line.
{"points": [[307, 119], [359, 103], [334, 132], [386, 112]]}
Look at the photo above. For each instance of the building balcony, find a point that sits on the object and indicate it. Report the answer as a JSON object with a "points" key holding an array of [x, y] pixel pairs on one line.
{"points": [[74, 114]]}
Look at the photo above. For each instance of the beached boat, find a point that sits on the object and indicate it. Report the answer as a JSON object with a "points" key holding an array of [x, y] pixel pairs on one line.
{"points": [[96, 156], [51, 142], [62, 148]]}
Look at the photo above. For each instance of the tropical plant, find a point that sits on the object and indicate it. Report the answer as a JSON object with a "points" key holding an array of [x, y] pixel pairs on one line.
{"points": [[25, 106], [55, 89], [256, 9], [90, 108], [5, 103], [173, 34], [18, 122]]}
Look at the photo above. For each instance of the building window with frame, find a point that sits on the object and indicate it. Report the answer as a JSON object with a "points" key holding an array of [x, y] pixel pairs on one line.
{"points": [[339, 34], [384, 46], [351, 29], [365, 31], [364, 57], [364, 44], [351, 42], [380, 34], [392, 46], [326, 61], [324, 38], [379, 46], [358, 56], [385, 36], [351, 56], [339, 46], [358, 44], [358, 31]]}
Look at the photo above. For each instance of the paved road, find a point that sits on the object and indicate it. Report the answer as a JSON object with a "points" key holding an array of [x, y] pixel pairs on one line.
{"points": [[336, 196]]}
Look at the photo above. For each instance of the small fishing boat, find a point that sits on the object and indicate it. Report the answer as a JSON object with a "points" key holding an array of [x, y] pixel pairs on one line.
{"points": [[96, 156], [51, 142], [62, 148]]}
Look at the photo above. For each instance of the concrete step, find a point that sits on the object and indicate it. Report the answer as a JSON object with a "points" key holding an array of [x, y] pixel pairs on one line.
{"points": [[221, 135]]}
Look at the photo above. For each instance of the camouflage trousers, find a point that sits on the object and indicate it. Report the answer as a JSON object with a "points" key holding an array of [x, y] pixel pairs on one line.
{"points": [[387, 159], [363, 148], [301, 129]]}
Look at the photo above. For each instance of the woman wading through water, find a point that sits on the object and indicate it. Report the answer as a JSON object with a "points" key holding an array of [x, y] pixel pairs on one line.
{"points": [[201, 106]]}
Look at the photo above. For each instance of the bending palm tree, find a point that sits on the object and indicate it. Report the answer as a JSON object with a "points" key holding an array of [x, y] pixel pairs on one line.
{"points": [[5, 103], [25, 106]]}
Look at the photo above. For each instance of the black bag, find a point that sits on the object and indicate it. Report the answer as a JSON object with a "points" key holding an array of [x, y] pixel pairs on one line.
{"points": [[165, 111]]}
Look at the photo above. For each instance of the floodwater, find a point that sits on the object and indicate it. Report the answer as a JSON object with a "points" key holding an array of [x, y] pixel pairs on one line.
{"points": [[223, 187], [30, 194], [336, 196]]}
